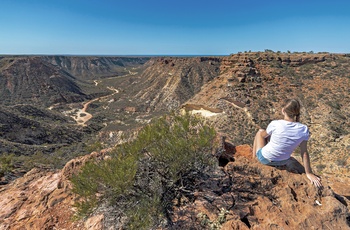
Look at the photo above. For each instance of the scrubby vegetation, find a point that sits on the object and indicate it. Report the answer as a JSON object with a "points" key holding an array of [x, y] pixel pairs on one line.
{"points": [[13, 165], [6, 163], [143, 177]]}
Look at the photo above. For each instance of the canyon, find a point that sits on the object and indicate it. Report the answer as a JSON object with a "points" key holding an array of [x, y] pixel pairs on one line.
{"points": [[237, 94]]}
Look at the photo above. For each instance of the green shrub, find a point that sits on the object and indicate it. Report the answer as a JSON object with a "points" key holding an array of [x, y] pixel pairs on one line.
{"points": [[144, 213], [6, 163], [180, 143], [144, 176], [105, 179]]}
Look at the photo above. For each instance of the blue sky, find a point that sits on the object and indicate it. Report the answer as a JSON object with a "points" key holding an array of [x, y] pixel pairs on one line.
{"points": [[179, 27]]}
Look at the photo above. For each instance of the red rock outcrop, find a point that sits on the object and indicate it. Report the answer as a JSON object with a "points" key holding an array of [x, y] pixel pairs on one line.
{"points": [[248, 195], [251, 88], [35, 201], [42, 199]]}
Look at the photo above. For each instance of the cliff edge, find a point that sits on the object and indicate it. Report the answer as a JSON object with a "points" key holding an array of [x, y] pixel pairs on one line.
{"points": [[239, 194]]}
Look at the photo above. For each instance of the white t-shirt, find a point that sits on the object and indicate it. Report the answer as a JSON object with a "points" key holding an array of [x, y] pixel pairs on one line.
{"points": [[285, 136]]}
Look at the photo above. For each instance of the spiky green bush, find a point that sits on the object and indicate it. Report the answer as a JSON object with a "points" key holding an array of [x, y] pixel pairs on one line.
{"points": [[145, 175]]}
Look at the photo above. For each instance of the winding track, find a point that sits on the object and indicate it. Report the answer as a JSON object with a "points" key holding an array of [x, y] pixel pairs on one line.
{"points": [[81, 117]]}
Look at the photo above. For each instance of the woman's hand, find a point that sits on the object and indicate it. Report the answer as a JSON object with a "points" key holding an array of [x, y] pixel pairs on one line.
{"points": [[306, 160], [314, 179]]}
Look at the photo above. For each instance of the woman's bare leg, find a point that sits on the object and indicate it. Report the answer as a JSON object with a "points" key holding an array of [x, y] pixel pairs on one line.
{"points": [[259, 141]]}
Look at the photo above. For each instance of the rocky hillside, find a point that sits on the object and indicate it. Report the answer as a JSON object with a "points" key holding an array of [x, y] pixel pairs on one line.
{"points": [[26, 129], [93, 68], [252, 86], [30, 80], [160, 85], [41, 94], [166, 83], [57, 79]]}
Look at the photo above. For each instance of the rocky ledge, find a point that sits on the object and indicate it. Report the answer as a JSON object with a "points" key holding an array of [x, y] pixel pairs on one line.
{"points": [[239, 194]]}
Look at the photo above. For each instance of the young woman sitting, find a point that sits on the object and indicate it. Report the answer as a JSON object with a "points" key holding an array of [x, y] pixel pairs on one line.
{"points": [[285, 136]]}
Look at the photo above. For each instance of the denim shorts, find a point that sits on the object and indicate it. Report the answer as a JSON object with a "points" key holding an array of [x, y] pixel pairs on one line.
{"points": [[265, 161]]}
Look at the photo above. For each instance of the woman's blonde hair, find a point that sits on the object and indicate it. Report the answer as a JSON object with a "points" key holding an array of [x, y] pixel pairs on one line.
{"points": [[292, 109]]}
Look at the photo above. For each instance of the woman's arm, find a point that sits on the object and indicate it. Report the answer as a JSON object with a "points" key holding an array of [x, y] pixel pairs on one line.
{"points": [[263, 133], [306, 161]]}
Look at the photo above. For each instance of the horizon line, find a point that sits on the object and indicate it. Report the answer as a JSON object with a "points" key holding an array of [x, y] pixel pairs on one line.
{"points": [[122, 55], [175, 55]]}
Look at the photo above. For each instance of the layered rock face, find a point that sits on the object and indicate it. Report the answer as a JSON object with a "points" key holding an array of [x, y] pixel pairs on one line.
{"points": [[169, 82]]}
